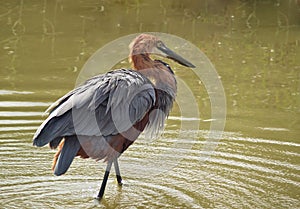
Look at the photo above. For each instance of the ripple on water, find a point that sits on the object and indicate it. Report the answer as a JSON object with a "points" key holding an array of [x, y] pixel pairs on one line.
{"points": [[9, 92], [166, 172], [19, 114], [24, 104]]}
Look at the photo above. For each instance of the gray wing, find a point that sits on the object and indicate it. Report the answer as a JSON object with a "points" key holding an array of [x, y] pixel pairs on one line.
{"points": [[104, 105]]}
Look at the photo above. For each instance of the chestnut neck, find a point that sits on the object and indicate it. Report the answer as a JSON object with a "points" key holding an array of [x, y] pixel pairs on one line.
{"points": [[142, 61], [159, 75]]}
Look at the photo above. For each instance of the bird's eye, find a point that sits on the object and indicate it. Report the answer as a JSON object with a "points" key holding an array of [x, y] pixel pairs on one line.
{"points": [[159, 44]]}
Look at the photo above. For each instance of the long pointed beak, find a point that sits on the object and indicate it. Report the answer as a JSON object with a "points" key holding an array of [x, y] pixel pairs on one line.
{"points": [[172, 55]]}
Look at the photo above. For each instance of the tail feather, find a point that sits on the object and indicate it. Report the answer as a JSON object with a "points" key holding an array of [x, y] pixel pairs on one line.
{"points": [[54, 128], [64, 157]]}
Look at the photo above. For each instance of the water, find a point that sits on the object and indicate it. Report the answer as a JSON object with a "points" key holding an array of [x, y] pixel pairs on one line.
{"points": [[254, 46]]}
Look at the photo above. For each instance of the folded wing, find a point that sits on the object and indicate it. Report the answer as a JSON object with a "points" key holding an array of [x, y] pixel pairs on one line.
{"points": [[104, 105]]}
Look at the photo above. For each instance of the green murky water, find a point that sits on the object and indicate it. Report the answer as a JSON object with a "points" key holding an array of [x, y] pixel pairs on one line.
{"points": [[254, 45]]}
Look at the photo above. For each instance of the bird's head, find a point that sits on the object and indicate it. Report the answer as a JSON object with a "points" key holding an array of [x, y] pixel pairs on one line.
{"points": [[145, 44]]}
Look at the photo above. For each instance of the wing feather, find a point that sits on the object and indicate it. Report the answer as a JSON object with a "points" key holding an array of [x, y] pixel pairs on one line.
{"points": [[104, 105]]}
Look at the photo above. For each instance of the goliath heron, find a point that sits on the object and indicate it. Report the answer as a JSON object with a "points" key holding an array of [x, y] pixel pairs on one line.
{"points": [[102, 117]]}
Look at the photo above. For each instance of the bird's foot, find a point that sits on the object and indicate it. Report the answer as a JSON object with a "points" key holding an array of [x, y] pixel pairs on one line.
{"points": [[119, 180]]}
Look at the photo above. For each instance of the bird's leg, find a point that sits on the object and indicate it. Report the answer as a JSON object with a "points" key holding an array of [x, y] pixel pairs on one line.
{"points": [[101, 192], [117, 169]]}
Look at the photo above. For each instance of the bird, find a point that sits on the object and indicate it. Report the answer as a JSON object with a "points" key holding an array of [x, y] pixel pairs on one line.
{"points": [[102, 117]]}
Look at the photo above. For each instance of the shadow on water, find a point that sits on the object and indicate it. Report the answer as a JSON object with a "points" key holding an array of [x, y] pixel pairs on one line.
{"points": [[254, 46]]}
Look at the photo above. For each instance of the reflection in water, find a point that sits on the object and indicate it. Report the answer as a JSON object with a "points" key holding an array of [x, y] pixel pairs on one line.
{"points": [[254, 45]]}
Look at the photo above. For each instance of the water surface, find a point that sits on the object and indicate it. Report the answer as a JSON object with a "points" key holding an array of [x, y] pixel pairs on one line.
{"points": [[254, 45]]}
